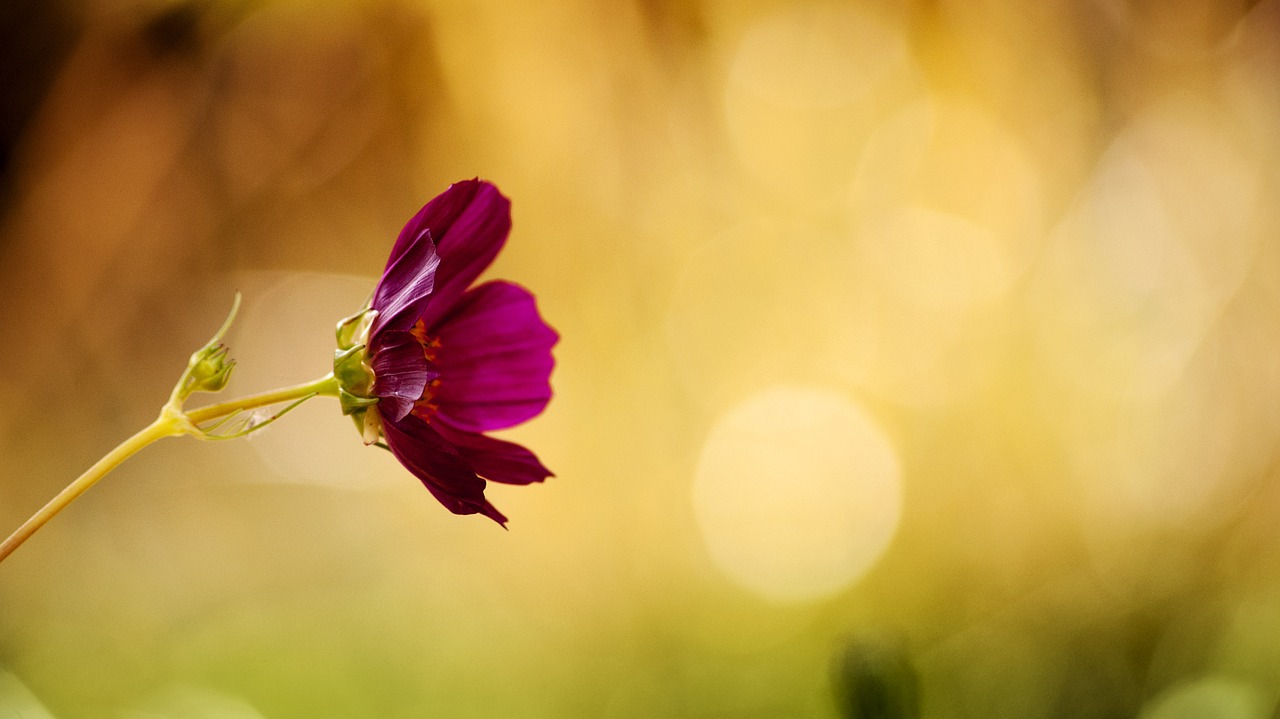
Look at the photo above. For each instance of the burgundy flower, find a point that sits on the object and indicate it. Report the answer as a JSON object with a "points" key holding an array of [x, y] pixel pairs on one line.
{"points": [[432, 365]]}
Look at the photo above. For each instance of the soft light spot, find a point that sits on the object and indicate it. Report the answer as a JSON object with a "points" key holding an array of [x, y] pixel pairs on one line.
{"points": [[1155, 243], [797, 493], [765, 299], [821, 55], [1209, 185], [1121, 301], [805, 89], [947, 217], [292, 316], [1210, 698], [1166, 460], [957, 161], [1131, 321], [936, 259]]}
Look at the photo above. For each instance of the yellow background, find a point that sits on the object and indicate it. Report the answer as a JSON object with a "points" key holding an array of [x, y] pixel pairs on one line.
{"points": [[941, 334]]}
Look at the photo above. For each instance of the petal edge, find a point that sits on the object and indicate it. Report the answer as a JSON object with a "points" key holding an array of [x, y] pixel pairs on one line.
{"points": [[439, 466], [494, 359]]}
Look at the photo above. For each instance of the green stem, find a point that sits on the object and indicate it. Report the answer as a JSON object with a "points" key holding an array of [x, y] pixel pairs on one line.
{"points": [[173, 421], [164, 426], [326, 386]]}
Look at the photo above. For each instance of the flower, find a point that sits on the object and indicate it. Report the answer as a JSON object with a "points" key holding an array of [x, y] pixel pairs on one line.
{"points": [[432, 364]]}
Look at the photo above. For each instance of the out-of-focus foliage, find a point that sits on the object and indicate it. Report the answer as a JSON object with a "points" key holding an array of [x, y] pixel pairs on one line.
{"points": [[918, 359]]}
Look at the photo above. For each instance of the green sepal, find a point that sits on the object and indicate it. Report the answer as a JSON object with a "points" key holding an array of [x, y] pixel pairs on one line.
{"points": [[355, 377], [352, 403], [350, 370], [210, 370], [368, 424], [353, 330]]}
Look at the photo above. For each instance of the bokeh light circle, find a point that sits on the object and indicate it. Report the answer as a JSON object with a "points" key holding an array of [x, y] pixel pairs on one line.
{"points": [[805, 87], [284, 336], [797, 493], [817, 55]]}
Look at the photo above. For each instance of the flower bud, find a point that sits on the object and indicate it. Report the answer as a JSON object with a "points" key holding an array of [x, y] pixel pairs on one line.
{"points": [[209, 370]]}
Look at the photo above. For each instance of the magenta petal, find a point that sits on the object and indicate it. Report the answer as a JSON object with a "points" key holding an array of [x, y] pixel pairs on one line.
{"points": [[494, 459], [439, 466], [406, 284], [469, 223], [401, 373], [494, 359], [492, 512]]}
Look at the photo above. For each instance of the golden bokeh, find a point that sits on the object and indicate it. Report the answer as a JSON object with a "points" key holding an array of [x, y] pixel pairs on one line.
{"points": [[921, 353], [797, 493]]}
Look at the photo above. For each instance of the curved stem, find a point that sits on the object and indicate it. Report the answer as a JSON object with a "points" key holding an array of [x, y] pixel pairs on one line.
{"points": [[173, 421], [164, 426]]}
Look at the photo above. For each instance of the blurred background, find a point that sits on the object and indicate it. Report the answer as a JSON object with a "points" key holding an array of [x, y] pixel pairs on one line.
{"points": [[919, 358]]}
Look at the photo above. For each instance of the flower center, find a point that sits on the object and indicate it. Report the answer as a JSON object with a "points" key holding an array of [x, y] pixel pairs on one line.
{"points": [[426, 406]]}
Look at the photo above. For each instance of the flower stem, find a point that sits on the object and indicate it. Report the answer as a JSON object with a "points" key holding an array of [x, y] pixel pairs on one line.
{"points": [[172, 422], [326, 386], [163, 427]]}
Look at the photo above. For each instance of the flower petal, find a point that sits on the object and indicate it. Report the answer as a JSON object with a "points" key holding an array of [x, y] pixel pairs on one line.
{"points": [[494, 359], [469, 223], [495, 459], [406, 284], [439, 466], [400, 373]]}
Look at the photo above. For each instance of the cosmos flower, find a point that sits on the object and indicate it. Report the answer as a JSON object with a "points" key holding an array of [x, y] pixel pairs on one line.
{"points": [[433, 364]]}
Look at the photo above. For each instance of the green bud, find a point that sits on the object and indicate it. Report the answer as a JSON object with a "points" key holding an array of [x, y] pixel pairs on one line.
{"points": [[210, 370]]}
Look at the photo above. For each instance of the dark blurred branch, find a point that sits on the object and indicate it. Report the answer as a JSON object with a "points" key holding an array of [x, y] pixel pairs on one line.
{"points": [[35, 38]]}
